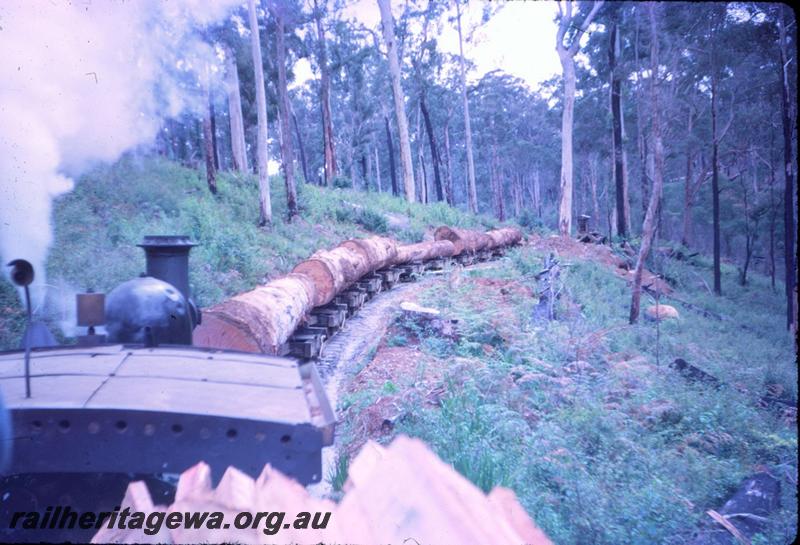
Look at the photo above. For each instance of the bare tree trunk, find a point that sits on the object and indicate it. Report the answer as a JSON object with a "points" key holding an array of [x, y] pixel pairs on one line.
{"points": [[658, 172], [497, 186], [330, 167], [537, 193], [302, 147], [449, 187], [715, 172], [387, 23], [390, 146], [788, 174], [772, 214], [421, 179], [377, 168], [213, 116], [616, 112], [265, 203], [434, 150], [238, 146], [208, 137], [287, 153], [566, 54], [592, 163], [565, 202], [687, 188], [472, 193]]}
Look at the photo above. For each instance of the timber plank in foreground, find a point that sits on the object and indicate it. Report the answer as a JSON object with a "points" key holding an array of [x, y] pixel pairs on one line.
{"points": [[401, 493]]}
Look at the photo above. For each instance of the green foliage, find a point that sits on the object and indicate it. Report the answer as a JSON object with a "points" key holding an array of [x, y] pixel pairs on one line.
{"points": [[342, 182], [337, 474], [98, 225], [611, 455]]}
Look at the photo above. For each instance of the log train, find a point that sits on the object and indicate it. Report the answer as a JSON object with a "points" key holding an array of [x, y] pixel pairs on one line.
{"points": [[169, 385], [295, 314]]}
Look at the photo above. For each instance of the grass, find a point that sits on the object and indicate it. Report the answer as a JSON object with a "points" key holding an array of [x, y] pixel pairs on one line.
{"points": [[600, 451], [98, 225]]}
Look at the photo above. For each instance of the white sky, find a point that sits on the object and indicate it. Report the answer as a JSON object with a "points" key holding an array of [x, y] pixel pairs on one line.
{"points": [[519, 39]]}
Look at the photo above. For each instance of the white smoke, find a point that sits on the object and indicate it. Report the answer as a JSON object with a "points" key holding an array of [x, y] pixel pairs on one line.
{"points": [[83, 81]]}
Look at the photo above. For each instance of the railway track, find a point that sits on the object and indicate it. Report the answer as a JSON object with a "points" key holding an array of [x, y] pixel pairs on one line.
{"points": [[318, 335]]}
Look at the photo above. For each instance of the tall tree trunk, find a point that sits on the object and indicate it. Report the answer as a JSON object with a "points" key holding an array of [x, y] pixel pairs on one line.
{"points": [[265, 202], [566, 54], [472, 192], [616, 113], [687, 187], [773, 213], [287, 153], [497, 185], [421, 173], [641, 137], [715, 171], [565, 201], [788, 174], [213, 115], [592, 163], [648, 227], [387, 23], [449, 187], [434, 150], [377, 167], [330, 166], [208, 137], [390, 146], [537, 193], [238, 145], [302, 147]]}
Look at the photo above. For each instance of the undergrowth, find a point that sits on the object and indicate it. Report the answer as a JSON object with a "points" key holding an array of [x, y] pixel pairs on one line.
{"points": [[584, 419]]}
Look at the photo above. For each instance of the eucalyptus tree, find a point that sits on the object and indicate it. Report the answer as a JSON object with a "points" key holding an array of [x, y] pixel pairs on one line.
{"points": [[265, 203], [329, 147], [648, 227], [568, 37], [389, 38]]}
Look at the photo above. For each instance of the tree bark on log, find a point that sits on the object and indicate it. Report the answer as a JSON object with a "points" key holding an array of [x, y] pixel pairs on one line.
{"points": [[507, 236], [423, 251], [260, 320], [332, 271], [463, 240], [377, 252]]}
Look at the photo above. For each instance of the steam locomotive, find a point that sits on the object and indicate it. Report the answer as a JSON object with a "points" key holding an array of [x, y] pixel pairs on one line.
{"points": [[141, 402]]}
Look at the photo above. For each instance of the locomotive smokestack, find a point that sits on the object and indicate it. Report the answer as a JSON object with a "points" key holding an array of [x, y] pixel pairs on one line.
{"points": [[168, 259]]}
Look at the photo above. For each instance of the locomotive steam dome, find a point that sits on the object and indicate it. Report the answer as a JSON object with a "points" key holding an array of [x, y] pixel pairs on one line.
{"points": [[148, 311], [156, 308]]}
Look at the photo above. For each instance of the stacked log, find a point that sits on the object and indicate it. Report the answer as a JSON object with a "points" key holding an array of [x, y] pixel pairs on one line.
{"points": [[507, 236], [424, 251], [260, 320], [263, 319], [464, 240], [395, 494], [332, 271], [378, 252]]}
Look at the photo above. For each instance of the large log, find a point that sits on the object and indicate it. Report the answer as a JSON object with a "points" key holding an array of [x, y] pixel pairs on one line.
{"points": [[424, 251], [260, 320], [464, 240], [507, 236], [332, 271], [379, 252]]}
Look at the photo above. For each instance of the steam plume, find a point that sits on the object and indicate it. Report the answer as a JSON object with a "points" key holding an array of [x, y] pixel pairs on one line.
{"points": [[82, 82]]}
